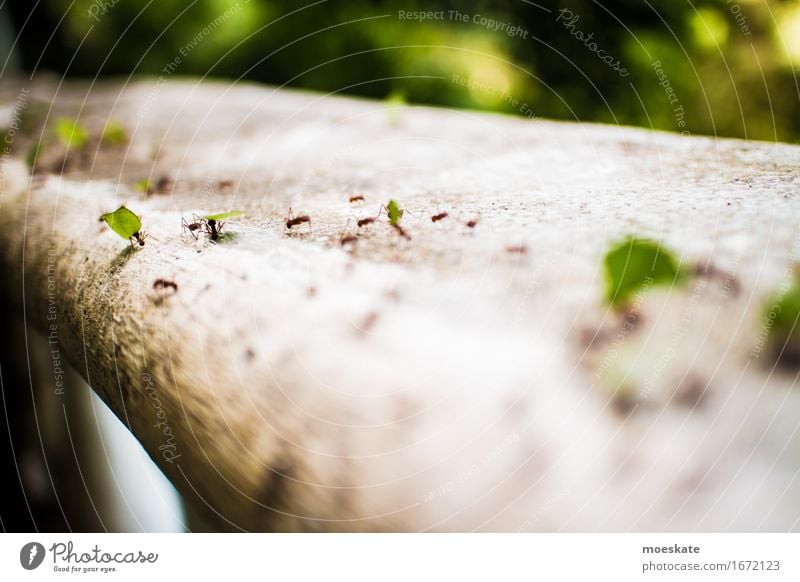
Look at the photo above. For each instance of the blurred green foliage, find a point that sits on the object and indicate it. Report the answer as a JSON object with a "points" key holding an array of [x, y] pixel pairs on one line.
{"points": [[720, 67]]}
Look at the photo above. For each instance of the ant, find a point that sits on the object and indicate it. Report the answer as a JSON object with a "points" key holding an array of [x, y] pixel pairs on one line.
{"points": [[162, 186], [163, 284], [138, 238], [518, 249], [401, 231], [294, 221], [472, 223], [214, 228], [349, 239], [196, 224], [438, 217], [371, 219], [357, 198]]}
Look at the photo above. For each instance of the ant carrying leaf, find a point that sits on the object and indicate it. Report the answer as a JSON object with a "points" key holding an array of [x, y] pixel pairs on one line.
{"points": [[395, 212], [214, 222], [126, 224]]}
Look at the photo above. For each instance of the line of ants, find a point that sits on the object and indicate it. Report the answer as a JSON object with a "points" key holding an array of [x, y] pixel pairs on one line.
{"points": [[213, 228]]}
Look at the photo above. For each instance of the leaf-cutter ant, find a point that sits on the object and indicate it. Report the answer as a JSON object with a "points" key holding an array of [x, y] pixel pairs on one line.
{"points": [[472, 223], [164, 284], [357, 198], [191, 227], [371, 219], [138, 237], [438, 217], [163, 185], [214, 228], [295, 220], [517, 249], [348, 239], [401, 231]]}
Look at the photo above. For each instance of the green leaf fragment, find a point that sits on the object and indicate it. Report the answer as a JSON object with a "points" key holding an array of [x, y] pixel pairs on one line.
{"points": [[71, 133], [33, 155], [114, 133], [142, 185], [225, 215], [635, 264], [123, 221], [395, 212]]}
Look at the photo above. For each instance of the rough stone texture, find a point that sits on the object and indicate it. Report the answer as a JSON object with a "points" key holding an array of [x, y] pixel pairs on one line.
{"points": [[437, 383]]}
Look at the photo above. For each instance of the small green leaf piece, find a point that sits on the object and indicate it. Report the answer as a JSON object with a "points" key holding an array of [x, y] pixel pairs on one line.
{"points": [[114, 133], [142, 185], [395, 212], [634, 265], [71, 133], [123, 221], [225, 215]]}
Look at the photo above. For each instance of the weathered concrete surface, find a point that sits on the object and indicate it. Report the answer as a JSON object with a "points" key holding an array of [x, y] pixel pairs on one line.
{"points": [[441, 383]]}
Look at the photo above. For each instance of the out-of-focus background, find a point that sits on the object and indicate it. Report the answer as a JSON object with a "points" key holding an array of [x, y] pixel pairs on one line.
{"points": [[730, 64]]}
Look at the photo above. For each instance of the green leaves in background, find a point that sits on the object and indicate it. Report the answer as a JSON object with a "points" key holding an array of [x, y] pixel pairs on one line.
{"points": [[114, 133], [636, 264], [71, 133], [123, 221]]}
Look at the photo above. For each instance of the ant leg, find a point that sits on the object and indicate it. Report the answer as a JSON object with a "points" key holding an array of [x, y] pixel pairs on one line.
{"points": [[187, 227]]}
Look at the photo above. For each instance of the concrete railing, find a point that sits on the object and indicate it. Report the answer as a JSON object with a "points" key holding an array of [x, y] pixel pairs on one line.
{"points": [[466, 377]]}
